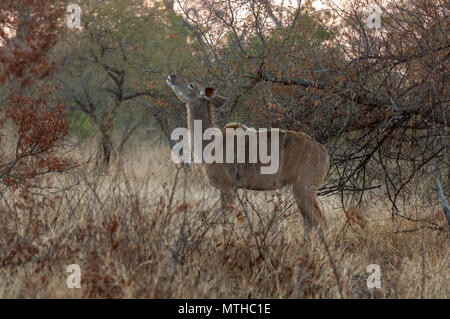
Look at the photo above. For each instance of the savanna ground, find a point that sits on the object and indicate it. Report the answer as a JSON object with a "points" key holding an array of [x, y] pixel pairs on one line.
{"points": [[147, 229]]}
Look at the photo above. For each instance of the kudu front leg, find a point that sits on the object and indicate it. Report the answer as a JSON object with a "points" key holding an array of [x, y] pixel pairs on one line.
{"points": [[227, 200]]}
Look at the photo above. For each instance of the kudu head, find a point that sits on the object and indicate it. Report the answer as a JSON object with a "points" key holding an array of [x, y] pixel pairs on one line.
{"points": [[193, 94]]}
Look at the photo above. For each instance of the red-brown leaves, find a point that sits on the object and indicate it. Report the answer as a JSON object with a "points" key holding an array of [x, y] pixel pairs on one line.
{"points": [[28, 29], [39, 127], [356, 215]]}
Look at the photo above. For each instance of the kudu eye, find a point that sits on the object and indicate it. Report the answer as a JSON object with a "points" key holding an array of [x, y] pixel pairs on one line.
{"points": [[192, 86]]}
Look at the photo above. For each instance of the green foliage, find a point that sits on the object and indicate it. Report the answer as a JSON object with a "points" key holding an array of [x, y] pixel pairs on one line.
{"points": [[133, 42], [81, 125], [321, 34]]}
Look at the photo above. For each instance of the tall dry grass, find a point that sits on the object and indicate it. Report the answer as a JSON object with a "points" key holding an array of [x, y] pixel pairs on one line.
{"points": [[147, 229]]}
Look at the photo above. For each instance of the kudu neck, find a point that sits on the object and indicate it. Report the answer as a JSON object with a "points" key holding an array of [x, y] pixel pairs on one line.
{"points": [[203, 113], [195, 115]]}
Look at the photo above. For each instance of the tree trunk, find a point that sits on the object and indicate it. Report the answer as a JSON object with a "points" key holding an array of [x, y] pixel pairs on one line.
{"points": [[107, 148]]}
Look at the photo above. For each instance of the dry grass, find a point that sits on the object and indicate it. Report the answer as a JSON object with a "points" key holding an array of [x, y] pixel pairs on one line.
{"points": [[146, 231]]}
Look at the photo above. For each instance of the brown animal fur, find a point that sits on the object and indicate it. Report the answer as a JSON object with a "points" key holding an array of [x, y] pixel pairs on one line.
{"points": [[303, 162]]}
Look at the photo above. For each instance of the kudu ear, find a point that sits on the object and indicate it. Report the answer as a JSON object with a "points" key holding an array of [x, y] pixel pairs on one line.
{"points": [[216, 100], [210, 92]]}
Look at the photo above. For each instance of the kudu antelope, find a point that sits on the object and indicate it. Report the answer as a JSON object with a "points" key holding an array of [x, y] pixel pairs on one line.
{"points": [[303, 162]]}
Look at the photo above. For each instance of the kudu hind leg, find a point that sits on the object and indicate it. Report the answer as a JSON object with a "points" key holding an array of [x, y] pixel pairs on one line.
{"points": [[307, 222], [309, 208]]}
